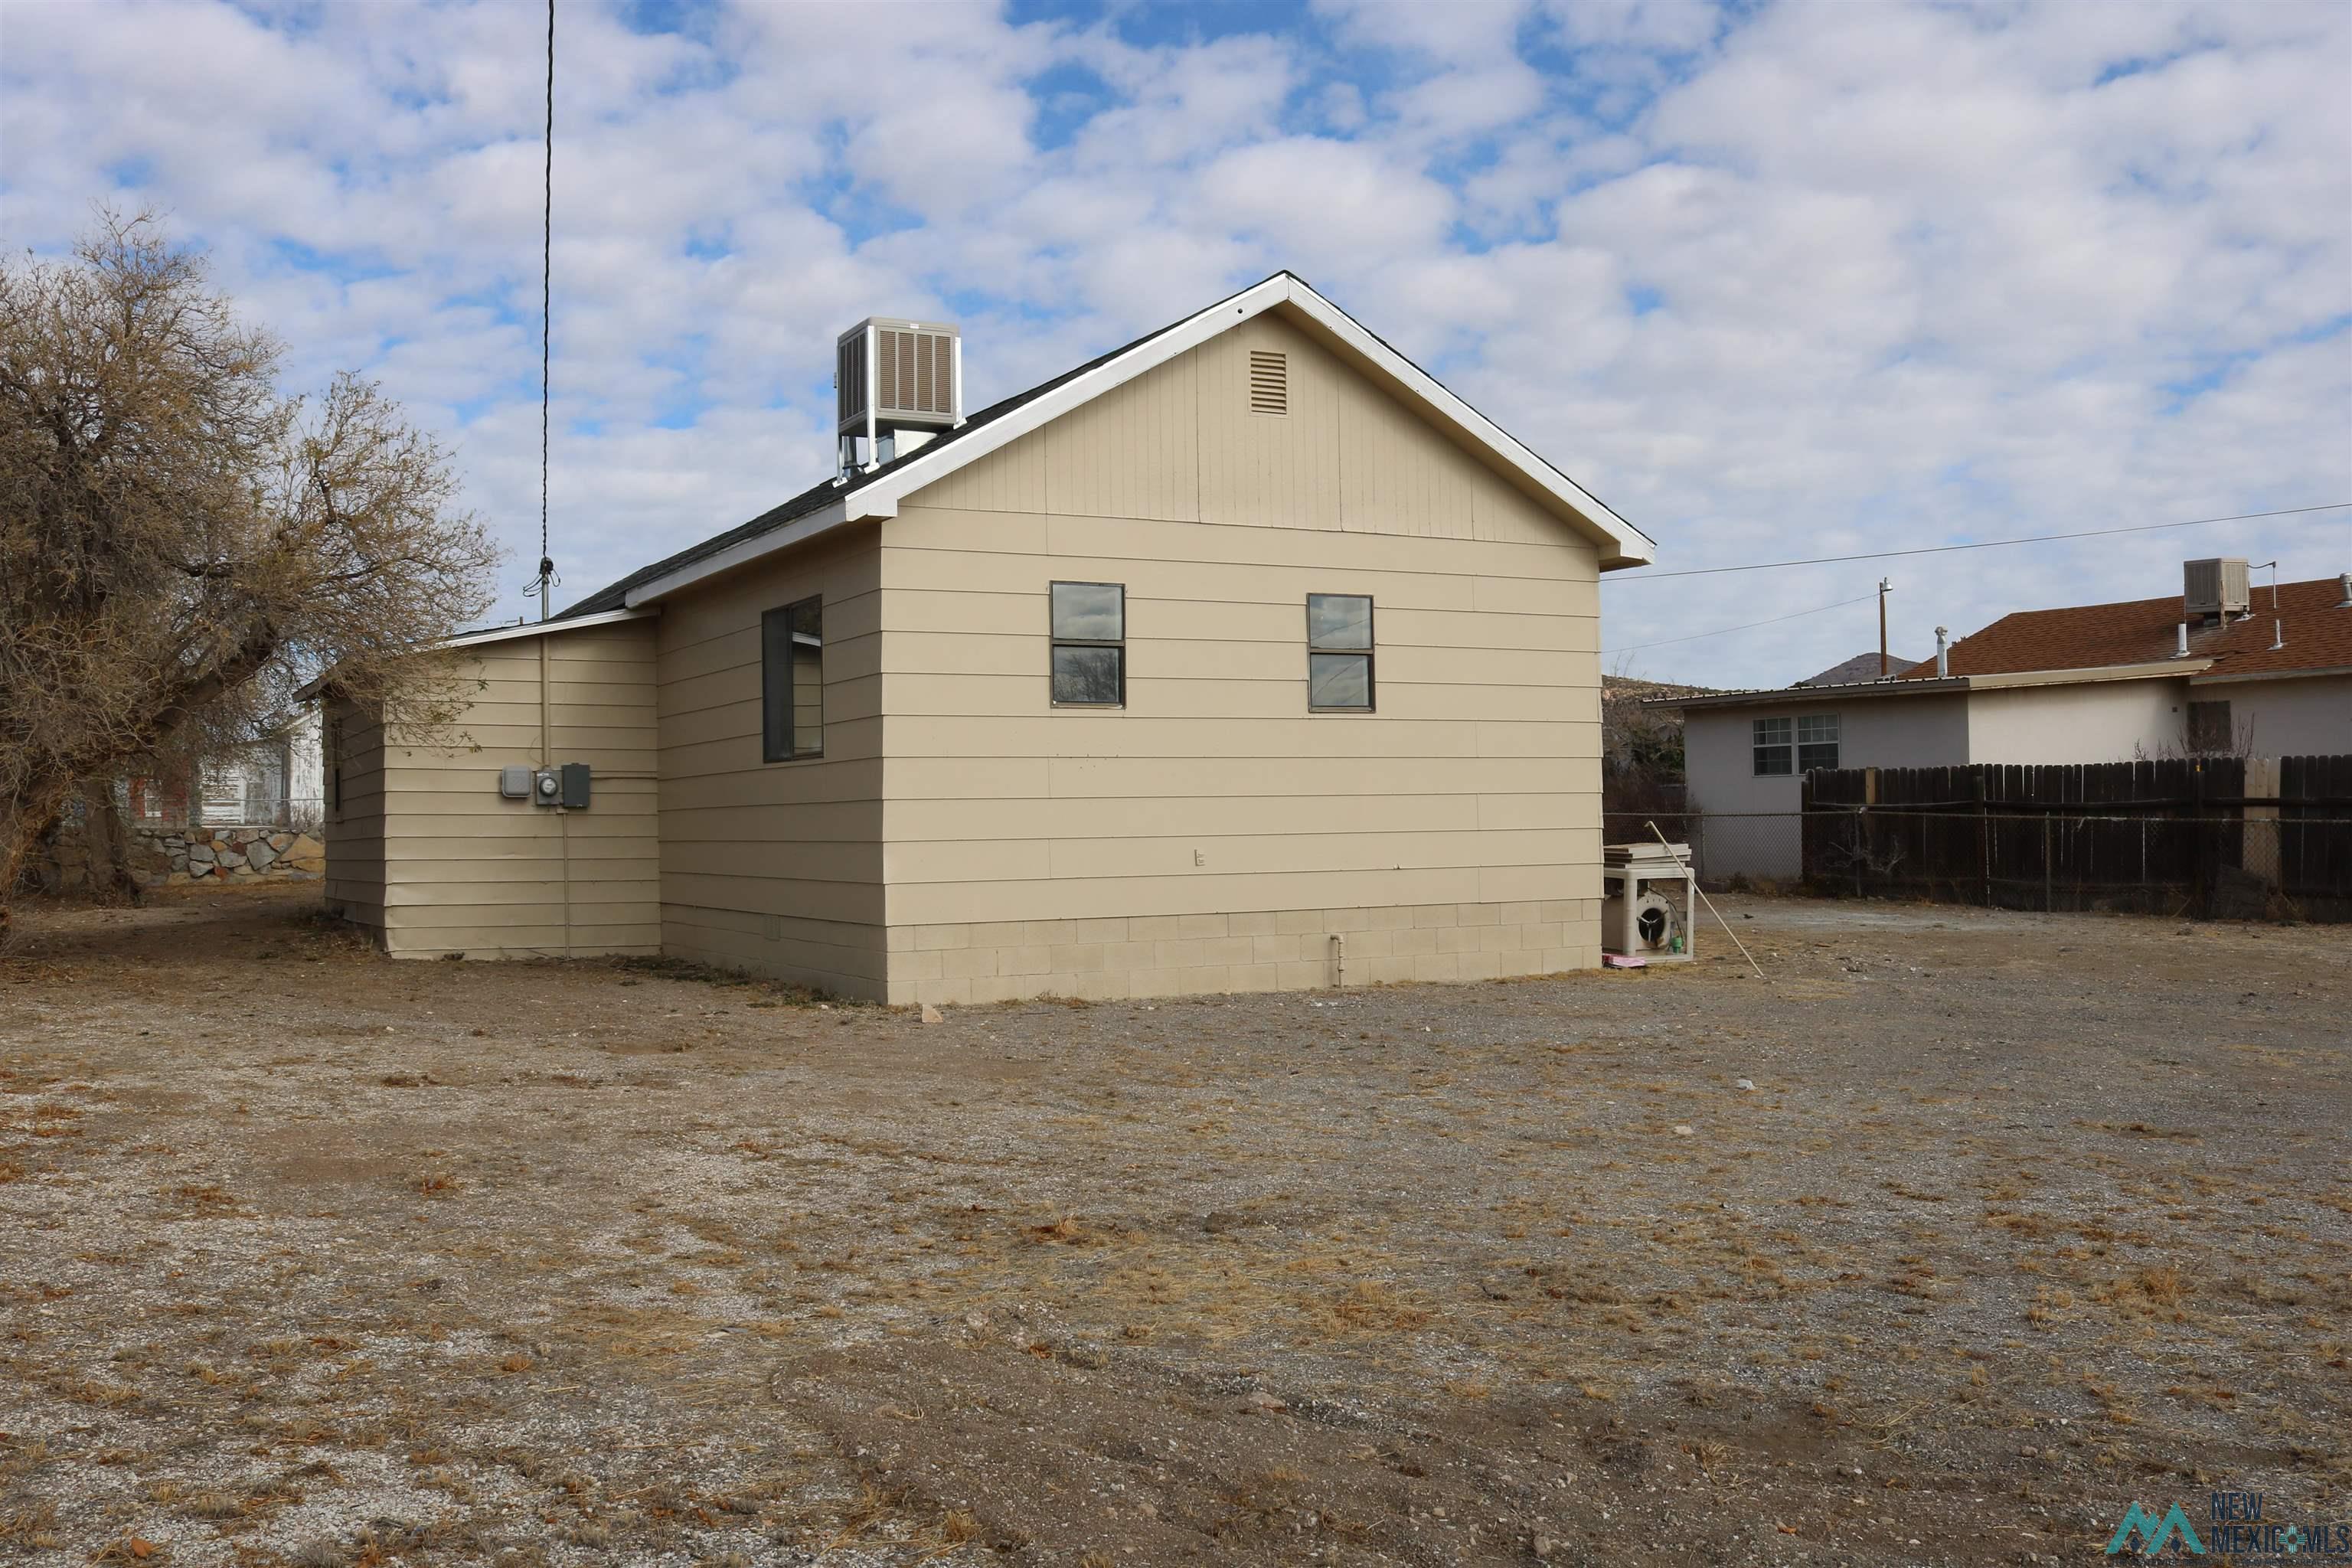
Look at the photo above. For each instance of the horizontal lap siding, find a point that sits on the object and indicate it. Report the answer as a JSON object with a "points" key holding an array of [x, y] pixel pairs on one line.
{"points": [[470, 871], [1214, 791], [774, 867]]}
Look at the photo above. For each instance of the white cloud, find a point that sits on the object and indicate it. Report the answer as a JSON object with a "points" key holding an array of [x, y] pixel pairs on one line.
{"points": [[1813, 278]]}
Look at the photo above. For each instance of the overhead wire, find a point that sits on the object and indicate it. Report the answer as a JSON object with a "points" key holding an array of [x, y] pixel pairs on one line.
{"points": [[1751, 626], [546, 318], [1633, 574]]}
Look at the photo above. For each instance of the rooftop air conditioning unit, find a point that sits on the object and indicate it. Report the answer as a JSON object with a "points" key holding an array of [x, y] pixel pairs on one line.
{"points": [[893, 376], [2215, 589]]}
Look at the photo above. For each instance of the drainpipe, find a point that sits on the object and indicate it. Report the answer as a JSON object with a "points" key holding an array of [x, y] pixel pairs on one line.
{"points": [[1942, 655], [547, 760]]}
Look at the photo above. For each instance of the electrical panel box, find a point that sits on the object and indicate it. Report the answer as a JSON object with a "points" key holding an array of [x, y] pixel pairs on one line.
{"points": [[514, 783], [575, 786]]}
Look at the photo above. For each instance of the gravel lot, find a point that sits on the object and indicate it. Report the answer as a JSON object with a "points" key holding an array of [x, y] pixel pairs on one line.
{"points": [[313, 1257]]}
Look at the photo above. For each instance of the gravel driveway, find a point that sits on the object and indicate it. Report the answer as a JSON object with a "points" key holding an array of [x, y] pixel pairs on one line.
{"points": [[1943, 1243]]}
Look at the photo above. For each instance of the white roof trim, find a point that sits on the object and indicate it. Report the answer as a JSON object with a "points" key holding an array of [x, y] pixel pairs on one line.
{"points": [[538, 629], [1625, 544], [2154, 669], [499, 634], [1931, 686], [752, 549], [2224, 678], [1621, 544]]}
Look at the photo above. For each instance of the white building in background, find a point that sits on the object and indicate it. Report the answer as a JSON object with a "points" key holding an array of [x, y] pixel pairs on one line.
{"points": [[275, 782], [2222, 669]]}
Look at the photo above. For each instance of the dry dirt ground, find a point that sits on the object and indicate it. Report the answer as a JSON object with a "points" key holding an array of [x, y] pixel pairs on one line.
{"points": [[308, 1256]]}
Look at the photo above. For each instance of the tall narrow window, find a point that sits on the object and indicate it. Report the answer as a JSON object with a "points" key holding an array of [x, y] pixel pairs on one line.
{"points": [[1089, 624], [1817, 741], [2209, 727], [792, 681], [1339, 653], [1773, 748]]}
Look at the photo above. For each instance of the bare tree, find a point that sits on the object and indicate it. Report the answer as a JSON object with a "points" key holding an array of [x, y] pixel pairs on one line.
{"points": [[181, 546]]}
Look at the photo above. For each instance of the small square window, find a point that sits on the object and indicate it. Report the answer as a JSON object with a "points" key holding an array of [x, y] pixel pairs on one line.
{"points": [[1339, 653], [1817, 741], [1089, 644], [1773, 748]]}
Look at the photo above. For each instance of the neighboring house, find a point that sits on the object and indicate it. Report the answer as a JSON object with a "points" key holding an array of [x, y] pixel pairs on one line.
{"points": [[275, 782], [248, 812], [2214, 669], [1860, 667], [1239, 656]]}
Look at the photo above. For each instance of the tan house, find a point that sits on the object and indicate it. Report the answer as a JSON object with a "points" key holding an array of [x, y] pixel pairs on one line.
{"points": [[1246, 657]]}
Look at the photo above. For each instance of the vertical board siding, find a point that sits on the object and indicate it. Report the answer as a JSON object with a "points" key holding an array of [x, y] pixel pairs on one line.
{"points": [[1215, 791], [775, 868], [2169, 836]]}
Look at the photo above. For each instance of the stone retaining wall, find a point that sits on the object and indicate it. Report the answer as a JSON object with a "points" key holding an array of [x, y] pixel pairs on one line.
{"points": [[163, 855], [237, 854]]}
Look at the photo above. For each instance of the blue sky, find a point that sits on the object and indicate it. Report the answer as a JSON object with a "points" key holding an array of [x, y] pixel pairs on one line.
{"points": [[1774, 281]]}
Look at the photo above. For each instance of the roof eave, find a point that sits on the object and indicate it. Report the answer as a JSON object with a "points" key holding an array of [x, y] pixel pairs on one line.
{"points": [[1785, 694], [800, 530], [1620, 544], [323, 683], [540, 628], [2013, 680], [2149, 669], [2225, 677]]}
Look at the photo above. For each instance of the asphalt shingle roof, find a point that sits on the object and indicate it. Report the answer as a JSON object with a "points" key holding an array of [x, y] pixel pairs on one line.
{"points": [[614, 595], [2318, 635]]}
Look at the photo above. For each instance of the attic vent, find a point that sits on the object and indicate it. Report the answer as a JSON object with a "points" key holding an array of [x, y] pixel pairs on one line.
{"points": [[1269, 382]]}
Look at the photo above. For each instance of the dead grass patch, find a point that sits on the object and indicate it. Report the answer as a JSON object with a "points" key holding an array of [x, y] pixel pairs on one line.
{"points": [[1371, 1306], [33, 1525]]}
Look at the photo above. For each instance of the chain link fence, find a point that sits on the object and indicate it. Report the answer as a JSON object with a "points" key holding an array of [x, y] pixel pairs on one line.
{"points": [[1750, 849]]}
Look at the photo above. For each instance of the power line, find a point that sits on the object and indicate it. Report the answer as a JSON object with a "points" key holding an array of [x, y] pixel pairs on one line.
{"points": [[1637, 576], [1751, 626], [546, 318]]}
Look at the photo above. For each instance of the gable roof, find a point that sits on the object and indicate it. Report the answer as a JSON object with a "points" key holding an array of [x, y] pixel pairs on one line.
{"points": [[2316, 633], [876, 493], [2134, 640]]}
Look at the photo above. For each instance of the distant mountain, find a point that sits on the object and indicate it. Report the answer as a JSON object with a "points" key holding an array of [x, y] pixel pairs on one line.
{"points": [[1860, 667], [1627, 688]]}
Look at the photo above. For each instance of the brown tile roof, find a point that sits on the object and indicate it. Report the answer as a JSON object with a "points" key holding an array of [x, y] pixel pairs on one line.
{"points": [[2318, 636]]}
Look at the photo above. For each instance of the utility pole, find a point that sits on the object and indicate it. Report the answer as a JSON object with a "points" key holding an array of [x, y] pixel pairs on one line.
{"points": [[1882, 586]]}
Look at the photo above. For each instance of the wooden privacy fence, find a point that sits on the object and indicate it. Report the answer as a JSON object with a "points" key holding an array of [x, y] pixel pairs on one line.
{"points": [[2212, 836]]}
